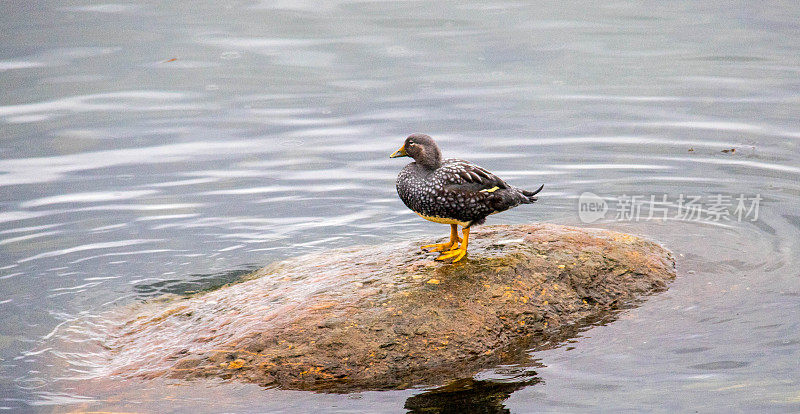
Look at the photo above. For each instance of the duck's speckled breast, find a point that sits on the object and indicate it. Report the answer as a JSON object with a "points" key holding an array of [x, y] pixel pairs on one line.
{"points": [[425, 192]]}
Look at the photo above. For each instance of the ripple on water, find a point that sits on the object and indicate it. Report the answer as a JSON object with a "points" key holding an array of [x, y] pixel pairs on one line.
{"points": [[87, 247], [90, 197]]}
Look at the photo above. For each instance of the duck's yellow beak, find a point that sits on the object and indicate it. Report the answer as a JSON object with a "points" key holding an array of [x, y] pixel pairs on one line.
{"points": [[399, 153]]}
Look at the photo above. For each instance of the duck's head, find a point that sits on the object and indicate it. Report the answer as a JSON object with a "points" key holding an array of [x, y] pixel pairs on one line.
{"points": [[422, 148]]}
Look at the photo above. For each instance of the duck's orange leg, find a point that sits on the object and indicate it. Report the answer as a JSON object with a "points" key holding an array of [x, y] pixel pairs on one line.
{"points": [[459, 253], [452, 244]]}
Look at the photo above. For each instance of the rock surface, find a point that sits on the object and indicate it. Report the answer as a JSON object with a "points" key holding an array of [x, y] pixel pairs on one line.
{"points": [[388, 316]]}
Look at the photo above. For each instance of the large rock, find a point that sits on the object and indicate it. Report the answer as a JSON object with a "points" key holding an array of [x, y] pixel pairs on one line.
{"points": [[388, 316]]}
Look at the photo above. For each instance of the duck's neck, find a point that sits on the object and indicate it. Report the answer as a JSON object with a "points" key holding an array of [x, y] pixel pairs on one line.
{"points": [[431, 159]]}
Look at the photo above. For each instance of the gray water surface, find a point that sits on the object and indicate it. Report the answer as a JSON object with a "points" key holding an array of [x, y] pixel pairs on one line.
{"points": [[169, 146]]}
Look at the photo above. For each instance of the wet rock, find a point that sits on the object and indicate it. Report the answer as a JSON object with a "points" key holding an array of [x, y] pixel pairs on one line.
{"points": [[388, 316]]}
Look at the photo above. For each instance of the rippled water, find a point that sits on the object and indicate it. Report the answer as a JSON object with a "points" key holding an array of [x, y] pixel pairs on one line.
{"points": [[165, 147]]}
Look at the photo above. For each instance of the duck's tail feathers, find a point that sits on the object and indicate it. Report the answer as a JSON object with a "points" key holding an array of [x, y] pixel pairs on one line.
{"points": [[531, 195]]}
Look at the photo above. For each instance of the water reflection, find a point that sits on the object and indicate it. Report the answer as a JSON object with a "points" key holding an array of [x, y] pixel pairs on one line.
{"points": [[468, 396]]}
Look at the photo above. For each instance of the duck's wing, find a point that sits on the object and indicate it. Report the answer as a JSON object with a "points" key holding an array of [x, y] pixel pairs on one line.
{"points": [[460, 175]]}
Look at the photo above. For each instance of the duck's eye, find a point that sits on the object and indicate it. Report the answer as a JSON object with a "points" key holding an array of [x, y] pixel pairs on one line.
{"points": [[410, 144]]}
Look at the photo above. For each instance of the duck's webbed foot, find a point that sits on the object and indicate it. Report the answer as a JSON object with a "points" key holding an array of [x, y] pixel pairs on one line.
{"points": [[441, 247], [459, 253], [449, 246], [456, 255]]}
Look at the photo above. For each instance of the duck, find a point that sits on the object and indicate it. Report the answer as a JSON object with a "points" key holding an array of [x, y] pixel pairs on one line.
{"points": [[452, 191]]}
